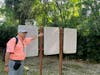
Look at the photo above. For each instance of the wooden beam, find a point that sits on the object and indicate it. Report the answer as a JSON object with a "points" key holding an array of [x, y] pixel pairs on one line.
{"points": [[61, 51], [41, 50]]}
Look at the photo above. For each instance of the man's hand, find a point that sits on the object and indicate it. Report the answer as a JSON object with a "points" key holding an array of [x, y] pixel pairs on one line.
{"points": [[6, 69], [41, 34], [35, 37]]}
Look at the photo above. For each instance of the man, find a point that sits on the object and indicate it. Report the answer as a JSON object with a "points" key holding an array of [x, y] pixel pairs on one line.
{"points": [[15, 55]]}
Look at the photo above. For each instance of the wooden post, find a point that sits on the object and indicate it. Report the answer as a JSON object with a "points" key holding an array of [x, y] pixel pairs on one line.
{"points": [[41, 50], [61, 52]]}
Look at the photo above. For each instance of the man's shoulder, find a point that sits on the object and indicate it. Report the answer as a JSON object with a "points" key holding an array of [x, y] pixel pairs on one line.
{"points": [[11, 40]]}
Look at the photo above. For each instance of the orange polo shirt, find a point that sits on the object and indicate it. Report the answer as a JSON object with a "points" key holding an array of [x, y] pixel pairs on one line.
{"points": [[17, 50]]}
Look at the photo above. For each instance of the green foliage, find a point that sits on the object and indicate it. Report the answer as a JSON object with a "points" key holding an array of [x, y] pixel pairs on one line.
{"points": [[6, 32]]}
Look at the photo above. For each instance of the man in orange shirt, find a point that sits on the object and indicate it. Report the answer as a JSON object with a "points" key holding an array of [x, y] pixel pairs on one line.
{"points": [[15, 55]]}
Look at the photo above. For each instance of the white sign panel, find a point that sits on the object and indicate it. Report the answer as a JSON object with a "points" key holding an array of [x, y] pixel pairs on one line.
{"points": [[51, 40], [32, 48], [70, 40]]}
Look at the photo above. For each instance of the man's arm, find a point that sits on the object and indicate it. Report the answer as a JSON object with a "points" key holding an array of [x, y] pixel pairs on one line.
{"points": [[7, 55], [28, 40], [9, 49], [35, 37]]}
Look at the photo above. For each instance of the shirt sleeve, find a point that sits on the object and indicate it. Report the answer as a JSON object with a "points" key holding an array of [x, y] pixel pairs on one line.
{"points": [[11, 45], [27, 41]]}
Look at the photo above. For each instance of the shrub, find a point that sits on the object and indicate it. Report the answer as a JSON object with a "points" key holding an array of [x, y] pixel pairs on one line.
{"points": [[6, 32]]}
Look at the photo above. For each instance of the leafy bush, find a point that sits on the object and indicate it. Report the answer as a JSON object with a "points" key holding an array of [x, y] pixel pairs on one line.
{"points": [[6, 32], [88, 46]]}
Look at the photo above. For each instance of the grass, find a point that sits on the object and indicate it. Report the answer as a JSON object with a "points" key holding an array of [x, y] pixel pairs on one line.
{"points": [[2, 67]]}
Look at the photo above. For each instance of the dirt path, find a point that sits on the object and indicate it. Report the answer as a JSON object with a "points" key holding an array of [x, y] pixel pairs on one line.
{"points": [[51, 67], [70, 67]]}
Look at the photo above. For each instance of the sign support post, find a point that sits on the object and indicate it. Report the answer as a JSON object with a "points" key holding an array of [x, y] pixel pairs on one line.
{"points": [[61, 51], [41, 50]]}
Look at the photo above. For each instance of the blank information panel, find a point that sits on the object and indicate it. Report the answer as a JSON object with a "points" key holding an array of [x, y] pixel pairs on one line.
{"points": [[70, 41], [32, 48], [51, 40]]}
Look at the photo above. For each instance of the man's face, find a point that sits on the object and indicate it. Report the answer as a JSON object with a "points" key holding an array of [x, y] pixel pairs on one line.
{"points": [[24, 34]]}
